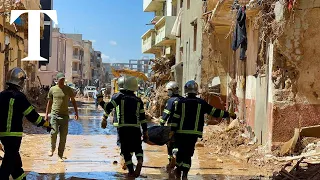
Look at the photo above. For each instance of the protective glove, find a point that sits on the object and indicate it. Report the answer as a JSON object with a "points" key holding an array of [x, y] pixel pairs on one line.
{"points": [[232, 115], [145, 137], [48, 126], [103, 123]]}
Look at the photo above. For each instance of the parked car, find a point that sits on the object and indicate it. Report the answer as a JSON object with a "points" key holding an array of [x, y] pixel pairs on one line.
{"points": [[89, 90]]}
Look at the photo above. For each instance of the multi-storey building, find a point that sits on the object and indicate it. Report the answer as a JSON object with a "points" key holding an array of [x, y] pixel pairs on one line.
{"points": [[13, 40], [75, 52], [158, 40], [57, 61]]}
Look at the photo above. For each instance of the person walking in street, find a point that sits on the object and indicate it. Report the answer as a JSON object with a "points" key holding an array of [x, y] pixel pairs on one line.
{"points": [[172, 89], [95, 94], [131, 119], [58, 101], [188, 122], [13, 107]]}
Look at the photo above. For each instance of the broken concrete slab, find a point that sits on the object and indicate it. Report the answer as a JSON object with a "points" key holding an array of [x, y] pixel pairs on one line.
{"points": [[289, 146]]}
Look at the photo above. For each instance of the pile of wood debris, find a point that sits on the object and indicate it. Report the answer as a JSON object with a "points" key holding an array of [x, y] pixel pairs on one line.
{"points": [[162, 68], [38, 98], [157, 102]]}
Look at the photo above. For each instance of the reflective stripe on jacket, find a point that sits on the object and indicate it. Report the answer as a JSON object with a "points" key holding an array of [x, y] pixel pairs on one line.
{"points": [[130, 111], [13, 107], [189, 115]]}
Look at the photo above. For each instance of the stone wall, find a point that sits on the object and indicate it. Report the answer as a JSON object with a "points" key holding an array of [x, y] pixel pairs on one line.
{"points": [[296, 72]]}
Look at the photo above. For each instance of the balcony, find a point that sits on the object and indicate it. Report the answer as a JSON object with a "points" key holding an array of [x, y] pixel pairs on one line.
{"points": [[148, 41], [76, 73], [163, 28], [76, 58], [152, 5], [78, 44]]}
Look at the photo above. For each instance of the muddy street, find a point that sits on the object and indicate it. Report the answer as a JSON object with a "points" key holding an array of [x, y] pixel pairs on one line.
{"points": [[92, 153]]}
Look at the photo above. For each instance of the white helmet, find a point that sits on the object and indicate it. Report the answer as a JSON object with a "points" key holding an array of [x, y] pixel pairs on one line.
{"points": [[173, 86]]}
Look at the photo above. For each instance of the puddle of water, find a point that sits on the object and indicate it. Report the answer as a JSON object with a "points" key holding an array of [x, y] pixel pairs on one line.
{"points": [[92, 150]]}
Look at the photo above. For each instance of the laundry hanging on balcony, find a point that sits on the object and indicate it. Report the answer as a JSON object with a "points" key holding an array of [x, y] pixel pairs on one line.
{"points": [[177, 25], [240, 33]]}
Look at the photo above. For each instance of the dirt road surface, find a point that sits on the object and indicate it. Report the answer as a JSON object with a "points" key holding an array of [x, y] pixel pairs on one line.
{"points": [[92, 153]]}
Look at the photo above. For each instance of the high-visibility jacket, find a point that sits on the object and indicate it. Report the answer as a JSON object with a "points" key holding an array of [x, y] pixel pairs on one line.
{"points": [[189, 115], [131, 110], [116, 114], [13, 107], [169, 110]]}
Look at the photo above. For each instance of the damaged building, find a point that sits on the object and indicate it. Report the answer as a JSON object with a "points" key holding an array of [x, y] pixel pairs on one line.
{"points": [[263, 57]]}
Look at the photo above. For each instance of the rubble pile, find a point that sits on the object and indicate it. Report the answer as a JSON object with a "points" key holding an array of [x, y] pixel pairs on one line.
{"points": [[157, 102], [299, 169], [162, 68], [30, 128], [38, 98], [225, 139]]}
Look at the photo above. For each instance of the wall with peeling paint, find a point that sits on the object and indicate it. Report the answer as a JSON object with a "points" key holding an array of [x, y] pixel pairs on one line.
{"points": [[296, 72]]}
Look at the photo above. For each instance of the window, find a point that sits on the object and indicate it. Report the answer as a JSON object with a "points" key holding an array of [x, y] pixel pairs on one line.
{"points": [[188, 4], [74, 66], [181, 3], [75, 52], [195, 28]]}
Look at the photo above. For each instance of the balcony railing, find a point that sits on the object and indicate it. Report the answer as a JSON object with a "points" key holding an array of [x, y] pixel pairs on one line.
{"points": [[148, 40], [164, 27], [152, 5]]}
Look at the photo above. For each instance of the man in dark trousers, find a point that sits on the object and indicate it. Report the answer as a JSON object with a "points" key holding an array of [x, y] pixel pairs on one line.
{"points": [[173, 92], [13, 107], [116, 113], [131, 119], [188, 121]]}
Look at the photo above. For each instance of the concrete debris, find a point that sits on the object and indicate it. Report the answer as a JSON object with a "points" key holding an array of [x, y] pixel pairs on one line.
{"points": [[233, 125], [290, 146]]}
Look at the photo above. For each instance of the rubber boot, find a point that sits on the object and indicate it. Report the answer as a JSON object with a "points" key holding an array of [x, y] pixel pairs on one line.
{"points": [[185, 175], [131, 171], [138, 168]]}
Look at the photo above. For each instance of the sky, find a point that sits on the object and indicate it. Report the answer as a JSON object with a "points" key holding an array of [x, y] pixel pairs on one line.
{"points": [[114, 26]]}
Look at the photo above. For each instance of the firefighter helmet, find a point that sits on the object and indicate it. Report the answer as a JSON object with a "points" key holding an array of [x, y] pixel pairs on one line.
{"points": [[130, 83], [191, 87], [16, 76], [173, 86], [121, 83]]}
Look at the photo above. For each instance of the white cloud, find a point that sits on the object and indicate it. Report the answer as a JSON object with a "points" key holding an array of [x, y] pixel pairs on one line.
{"points": [[113, 43], [105, 57]]}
